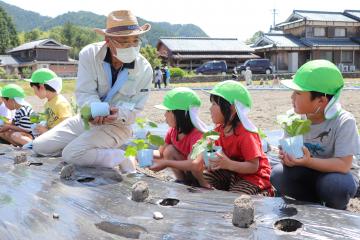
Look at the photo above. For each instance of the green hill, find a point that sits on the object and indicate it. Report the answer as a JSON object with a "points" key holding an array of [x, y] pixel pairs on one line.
{"points": [[27, 20]]}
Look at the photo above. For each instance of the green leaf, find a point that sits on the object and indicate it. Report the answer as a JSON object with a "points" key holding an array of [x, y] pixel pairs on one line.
{"points": [[198, 148], [261, 134], [34, 117], [206, 143], [210, 133], [293, 125], [140, 122], [4, 119], [85, 113], [130, 151], [152, 124], [155, 140]]}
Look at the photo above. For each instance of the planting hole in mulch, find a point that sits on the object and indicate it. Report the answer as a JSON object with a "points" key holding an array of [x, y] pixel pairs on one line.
{"points": [[86, 179], [122, 229], [35, 164], [288, 225], [169, 202]]}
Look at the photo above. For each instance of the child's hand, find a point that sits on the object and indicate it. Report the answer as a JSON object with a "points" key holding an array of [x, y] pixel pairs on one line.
{"points": [[221, 162], [5, 127], [198, 165], [158, 165], [290, 161], [40, 129]]}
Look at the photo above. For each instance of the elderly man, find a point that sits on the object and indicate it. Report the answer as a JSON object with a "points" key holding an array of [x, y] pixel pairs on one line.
{"points": [[114, 72]]}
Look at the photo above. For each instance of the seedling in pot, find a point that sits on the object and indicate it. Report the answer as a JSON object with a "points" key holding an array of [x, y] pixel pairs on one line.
{"points": [[142, 123], [294, 128], [206, 146], [140, 149]]}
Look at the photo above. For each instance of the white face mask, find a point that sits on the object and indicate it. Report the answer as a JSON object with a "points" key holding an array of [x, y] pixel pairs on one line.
{"points": [[127, 55]]}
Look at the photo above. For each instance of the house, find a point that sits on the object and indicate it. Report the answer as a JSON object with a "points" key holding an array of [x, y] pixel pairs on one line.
{"points": [[308, 35], [46, 53], [190, 52]]}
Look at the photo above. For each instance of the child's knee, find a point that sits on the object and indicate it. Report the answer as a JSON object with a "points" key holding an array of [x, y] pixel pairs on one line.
{"points": [[169, 151], [16, 136]]}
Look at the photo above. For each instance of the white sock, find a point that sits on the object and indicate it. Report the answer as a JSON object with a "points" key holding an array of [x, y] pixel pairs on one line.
{"points": [[109, 158]]}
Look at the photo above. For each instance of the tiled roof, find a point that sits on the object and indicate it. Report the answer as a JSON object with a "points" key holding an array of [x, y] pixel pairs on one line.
{"points": [[8, 60], [353, 14], [284, 40], [323, 16], [325, 42], [43, 43], [205, 45]]}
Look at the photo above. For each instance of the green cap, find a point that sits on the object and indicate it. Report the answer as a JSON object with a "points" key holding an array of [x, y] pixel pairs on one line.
{"points": [[317, 75], [42, 76], [181, 98], [12, 91], [231, 90]]}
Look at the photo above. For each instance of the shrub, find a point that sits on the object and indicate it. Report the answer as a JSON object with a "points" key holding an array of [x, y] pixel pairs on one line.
{"points": [[26, 72], [177, 72], [2, 73]]}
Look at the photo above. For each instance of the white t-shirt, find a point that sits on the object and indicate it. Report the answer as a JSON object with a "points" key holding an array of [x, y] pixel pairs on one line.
{"points": [[5, 112]]}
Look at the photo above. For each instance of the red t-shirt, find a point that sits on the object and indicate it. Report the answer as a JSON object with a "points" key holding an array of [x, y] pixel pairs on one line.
{"points": [[184, 146], [245, 146]]}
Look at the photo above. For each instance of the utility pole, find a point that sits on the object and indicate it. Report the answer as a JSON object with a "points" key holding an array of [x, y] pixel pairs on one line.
{"points": [[274, 12]]}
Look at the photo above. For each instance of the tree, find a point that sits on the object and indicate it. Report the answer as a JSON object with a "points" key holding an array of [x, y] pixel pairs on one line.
{"points": [[8, 35], [151, 54], [254, 37], [33, 35]]}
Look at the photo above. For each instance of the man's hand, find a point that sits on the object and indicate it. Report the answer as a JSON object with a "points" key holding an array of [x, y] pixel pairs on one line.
{"points": [[113, 115], [107, 119]]}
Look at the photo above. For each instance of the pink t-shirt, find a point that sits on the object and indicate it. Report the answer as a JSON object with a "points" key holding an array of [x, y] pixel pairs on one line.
{"points": [[184, 146]]}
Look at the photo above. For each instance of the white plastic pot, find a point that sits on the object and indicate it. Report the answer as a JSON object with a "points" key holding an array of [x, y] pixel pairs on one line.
{"points": [[145, 157], [293, 146], [210, 155], [99, 109]]}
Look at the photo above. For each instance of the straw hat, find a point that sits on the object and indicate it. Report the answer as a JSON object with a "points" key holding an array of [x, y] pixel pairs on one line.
{"points": [[122, 23]]}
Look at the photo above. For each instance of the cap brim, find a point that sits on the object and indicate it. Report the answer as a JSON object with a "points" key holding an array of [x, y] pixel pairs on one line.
{"points": [[162, 107], [143, 29], [21, 101], [290, 84]]}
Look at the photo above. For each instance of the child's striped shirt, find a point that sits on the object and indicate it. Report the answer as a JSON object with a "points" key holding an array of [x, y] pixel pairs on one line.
{"points": [[22, 118]]}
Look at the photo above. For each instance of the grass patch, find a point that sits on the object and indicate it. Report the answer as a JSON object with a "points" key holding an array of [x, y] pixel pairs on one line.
{"points": [[68, 86]]}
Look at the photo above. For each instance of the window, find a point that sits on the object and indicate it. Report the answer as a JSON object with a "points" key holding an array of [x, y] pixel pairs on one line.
{"points": [[347, 56], [340, 32], [319, 32], [327, 55]]}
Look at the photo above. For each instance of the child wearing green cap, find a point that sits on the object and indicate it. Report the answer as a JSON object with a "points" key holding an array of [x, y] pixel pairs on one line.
{"points": [[185, 129], [241, 166], [323, 174], [18, 132], [46, 84]]}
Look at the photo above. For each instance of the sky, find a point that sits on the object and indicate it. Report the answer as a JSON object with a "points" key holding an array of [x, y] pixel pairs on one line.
{"points": [[225, 18]]}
